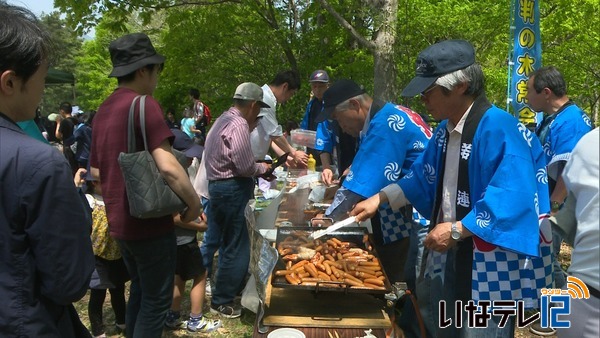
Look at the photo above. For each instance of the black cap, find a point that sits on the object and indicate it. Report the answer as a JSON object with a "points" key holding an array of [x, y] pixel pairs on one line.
{"points": [[132, 52], [437, 60], [184, 143], [339, 92]]}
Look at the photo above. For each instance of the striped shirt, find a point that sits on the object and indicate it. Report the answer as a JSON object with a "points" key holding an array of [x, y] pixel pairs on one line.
{"points": [[228, 152]]}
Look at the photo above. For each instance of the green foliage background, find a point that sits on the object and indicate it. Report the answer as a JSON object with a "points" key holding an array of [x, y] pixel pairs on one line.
{"points": [[215, 45], [67, 48]]}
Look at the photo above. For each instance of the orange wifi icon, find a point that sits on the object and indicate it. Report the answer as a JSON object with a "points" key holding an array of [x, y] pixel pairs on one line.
{"points": [[576, 288]]}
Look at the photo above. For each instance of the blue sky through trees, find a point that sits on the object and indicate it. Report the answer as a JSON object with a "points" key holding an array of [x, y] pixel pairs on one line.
{"points": [[36, 6]]}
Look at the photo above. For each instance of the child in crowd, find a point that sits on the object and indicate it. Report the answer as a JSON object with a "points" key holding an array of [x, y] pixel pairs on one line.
{"points": [[189, 266], [110, 272]]}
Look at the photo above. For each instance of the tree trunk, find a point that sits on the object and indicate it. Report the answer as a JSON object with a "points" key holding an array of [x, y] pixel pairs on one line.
{"points": [[385, 71], [382, 45]]}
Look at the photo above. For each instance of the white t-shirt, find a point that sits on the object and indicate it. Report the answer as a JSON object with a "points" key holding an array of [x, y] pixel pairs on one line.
{"points": [[200, 182], [581, 178], [267, 127]]}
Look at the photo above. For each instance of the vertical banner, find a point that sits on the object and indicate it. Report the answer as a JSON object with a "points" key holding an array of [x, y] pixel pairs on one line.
{"points": [[526, 56]]}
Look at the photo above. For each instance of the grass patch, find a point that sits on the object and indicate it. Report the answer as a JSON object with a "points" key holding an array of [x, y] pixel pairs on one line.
{"points": [[238, 327]]}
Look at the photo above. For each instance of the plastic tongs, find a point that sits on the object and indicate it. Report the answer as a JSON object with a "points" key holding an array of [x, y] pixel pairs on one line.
{"points": [[320, 233]]}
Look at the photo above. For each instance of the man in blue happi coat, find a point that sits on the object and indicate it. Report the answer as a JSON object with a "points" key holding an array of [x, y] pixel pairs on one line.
{"points": [[563, 126], [319, 82], [391, 138], [483, 184], [328, 133]]}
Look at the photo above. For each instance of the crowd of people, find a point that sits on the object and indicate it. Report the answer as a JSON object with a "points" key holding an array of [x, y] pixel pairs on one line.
{"points": [[449, 213]]}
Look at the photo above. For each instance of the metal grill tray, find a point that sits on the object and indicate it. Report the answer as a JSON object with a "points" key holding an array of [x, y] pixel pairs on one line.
{"points": [[355, 235]]}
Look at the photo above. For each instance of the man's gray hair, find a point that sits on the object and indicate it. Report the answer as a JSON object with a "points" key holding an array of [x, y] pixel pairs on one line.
{"points": [[242, 103], [472, 75], [346, 104]]}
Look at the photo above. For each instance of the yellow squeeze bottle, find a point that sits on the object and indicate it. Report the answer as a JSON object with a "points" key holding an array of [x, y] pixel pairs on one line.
{"points": [[312, 163]]}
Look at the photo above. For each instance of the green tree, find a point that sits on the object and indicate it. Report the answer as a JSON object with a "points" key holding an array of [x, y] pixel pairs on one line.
{"points": [[215, 55], [215, 47], [380, 39], [422, 23], [67, 46], [571, 42], [93, 83], [215, 44]]}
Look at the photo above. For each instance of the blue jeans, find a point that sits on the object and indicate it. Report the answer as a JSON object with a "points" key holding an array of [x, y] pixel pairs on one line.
{"points": [[211, 240], [412, 269], [491, 331], [228, 200], [151, 265], [431, 291], [560, 279], [408, 320]]}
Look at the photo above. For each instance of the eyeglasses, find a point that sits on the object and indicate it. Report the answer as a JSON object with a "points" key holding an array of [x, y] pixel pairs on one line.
{"points": [[426, 91]]}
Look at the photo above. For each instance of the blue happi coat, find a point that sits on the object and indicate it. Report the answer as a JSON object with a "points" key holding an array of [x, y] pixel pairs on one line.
{"points": [[560, 136], [508, 197], [396, 136], [325, 139]]}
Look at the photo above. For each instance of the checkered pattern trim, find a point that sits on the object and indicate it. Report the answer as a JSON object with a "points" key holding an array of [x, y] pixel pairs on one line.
{"points": [[436, 262], [417, 218], [394, 226], [505, 275]]}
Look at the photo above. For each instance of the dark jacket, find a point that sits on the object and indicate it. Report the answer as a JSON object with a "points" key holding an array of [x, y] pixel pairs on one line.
{"points": [[46, 258], [83, 136]]}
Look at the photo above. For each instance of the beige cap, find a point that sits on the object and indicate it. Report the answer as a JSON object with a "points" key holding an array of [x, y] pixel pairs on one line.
{"points": [[250, 92]]}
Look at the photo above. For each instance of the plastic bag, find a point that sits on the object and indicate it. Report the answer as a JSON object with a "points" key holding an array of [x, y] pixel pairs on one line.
{"points": [[250, 298], [317, 194]]}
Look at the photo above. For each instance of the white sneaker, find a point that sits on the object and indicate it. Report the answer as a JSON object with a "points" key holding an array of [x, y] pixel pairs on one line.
{"points": [[203, 324]]}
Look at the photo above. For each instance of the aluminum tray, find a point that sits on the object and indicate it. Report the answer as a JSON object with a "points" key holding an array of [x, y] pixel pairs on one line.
{"points": [[356, 235]]}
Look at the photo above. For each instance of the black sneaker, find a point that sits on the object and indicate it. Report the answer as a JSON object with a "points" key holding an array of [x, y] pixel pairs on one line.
{"points": [[173, 320], [227, 310]]}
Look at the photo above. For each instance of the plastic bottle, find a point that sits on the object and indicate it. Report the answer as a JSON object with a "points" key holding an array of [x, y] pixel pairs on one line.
{"points": [[312, 163]]}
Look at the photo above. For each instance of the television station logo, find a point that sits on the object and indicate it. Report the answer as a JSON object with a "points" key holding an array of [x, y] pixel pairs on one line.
{"points": [[554, 304], [576, 289]]}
